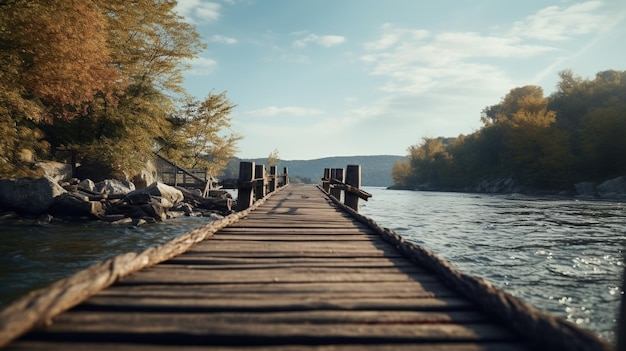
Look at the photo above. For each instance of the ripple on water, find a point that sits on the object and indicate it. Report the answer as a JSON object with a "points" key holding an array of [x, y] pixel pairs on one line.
{"points": [[563, 256]]}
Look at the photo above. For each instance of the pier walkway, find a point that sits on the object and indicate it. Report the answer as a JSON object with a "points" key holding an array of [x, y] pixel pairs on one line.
{"points": [[298, 272]]}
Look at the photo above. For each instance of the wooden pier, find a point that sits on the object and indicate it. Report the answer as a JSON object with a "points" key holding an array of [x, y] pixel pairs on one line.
{"points": [[300, 271]]}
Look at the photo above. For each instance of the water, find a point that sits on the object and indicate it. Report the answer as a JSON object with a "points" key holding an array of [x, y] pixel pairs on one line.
{"points": [[33, 256], [564, 256]]}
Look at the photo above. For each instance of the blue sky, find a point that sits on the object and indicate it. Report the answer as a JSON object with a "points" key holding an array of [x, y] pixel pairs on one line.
{"points": [[318, 78]]}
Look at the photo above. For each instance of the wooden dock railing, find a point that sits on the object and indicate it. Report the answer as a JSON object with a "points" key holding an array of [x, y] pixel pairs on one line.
{"points": [[333, 183], [255, 183]]}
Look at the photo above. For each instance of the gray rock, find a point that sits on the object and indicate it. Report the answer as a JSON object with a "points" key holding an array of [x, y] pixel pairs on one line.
{"points": [[585, 189], [87, 184], [155, 210], [164, 191], [56, 170], [613, 188], [76, 205], [115, 187], [31, 196]]}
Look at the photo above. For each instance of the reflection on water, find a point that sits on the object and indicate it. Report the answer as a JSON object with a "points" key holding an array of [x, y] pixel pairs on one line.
{"points": [[33, 256], [564, 256]]}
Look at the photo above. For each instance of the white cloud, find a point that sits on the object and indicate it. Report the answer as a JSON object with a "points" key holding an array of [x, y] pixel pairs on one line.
{"points": [[414, 61], [272, 111], [322, 40], [198, 11], [201, 66], [223, 40], [556, 23], [391, 36]]}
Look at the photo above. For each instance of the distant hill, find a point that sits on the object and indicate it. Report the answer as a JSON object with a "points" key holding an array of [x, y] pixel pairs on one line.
{"points": [[375, 170]]}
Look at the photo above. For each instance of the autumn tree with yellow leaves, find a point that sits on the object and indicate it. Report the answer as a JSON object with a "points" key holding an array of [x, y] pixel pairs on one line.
{"points": [[573, 135], [102, 80]]}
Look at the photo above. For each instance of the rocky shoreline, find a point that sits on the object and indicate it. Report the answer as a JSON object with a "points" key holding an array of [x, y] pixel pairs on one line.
{"points": [[611, 189], [115, 201]]}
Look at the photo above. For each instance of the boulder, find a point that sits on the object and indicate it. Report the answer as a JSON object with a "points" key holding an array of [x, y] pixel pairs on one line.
{"points": [[56, 170], [115, 187], [613, 188], [155, 210], [76, 205], [183, 207], [30, 196], [88, 185], [585, 189], [165, 191]]}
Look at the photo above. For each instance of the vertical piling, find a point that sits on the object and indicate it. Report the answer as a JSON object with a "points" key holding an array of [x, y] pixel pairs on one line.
{"points": [[285, 176], [337, 174], [273, 180], [353, 177], [326, 180], [260, 186], [245, 187]]}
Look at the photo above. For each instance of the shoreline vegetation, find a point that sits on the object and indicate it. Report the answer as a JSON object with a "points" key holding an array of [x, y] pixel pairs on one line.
{"points": [[569, 143]]}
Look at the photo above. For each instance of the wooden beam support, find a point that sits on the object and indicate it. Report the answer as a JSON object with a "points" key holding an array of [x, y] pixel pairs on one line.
{"points": [[336, 174], [261, 183], [246, 176], [353, 178]]}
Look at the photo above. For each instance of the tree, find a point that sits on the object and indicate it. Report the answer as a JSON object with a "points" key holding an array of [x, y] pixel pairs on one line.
{"points": [[401, 173], [202, 140], [149, 45], [273, 159], [603, 141], [54, 60]]}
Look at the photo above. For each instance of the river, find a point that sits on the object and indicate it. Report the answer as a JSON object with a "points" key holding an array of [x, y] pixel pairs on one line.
{"points": [[563, 256]]}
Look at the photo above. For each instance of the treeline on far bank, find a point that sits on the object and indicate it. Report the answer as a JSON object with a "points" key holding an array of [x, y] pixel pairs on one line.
{"points": [[576, 134]]}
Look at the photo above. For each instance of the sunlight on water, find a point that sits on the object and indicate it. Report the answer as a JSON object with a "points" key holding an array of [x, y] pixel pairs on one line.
{"points": [[564, 256]]}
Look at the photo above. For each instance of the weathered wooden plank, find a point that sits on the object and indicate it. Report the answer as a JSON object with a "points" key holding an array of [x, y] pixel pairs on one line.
{"points": [[125, 346], [285, 303], [279, 270], [406, 289], [377, 246], [244, 334], [331, 254], [241, 262], [290, 236], [181, 276], [307, 224], [291, 317], [180, 292], [286, 230]]}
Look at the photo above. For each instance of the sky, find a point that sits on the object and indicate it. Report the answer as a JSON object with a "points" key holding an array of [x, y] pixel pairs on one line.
{"points": [[321, 78]]}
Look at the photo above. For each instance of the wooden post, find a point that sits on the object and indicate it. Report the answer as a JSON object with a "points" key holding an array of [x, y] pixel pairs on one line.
{"points": [[73, 161], [337, 174], [621, 323], [273, 179], [244, 192], [353, 177], [285, 176], [259, 187], [325, 183]]}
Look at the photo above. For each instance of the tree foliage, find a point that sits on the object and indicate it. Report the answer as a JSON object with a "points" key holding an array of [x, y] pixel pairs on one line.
{"points": [[273, 159], [100, 79], [546, 142], [202, 140], [54, 60]]}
